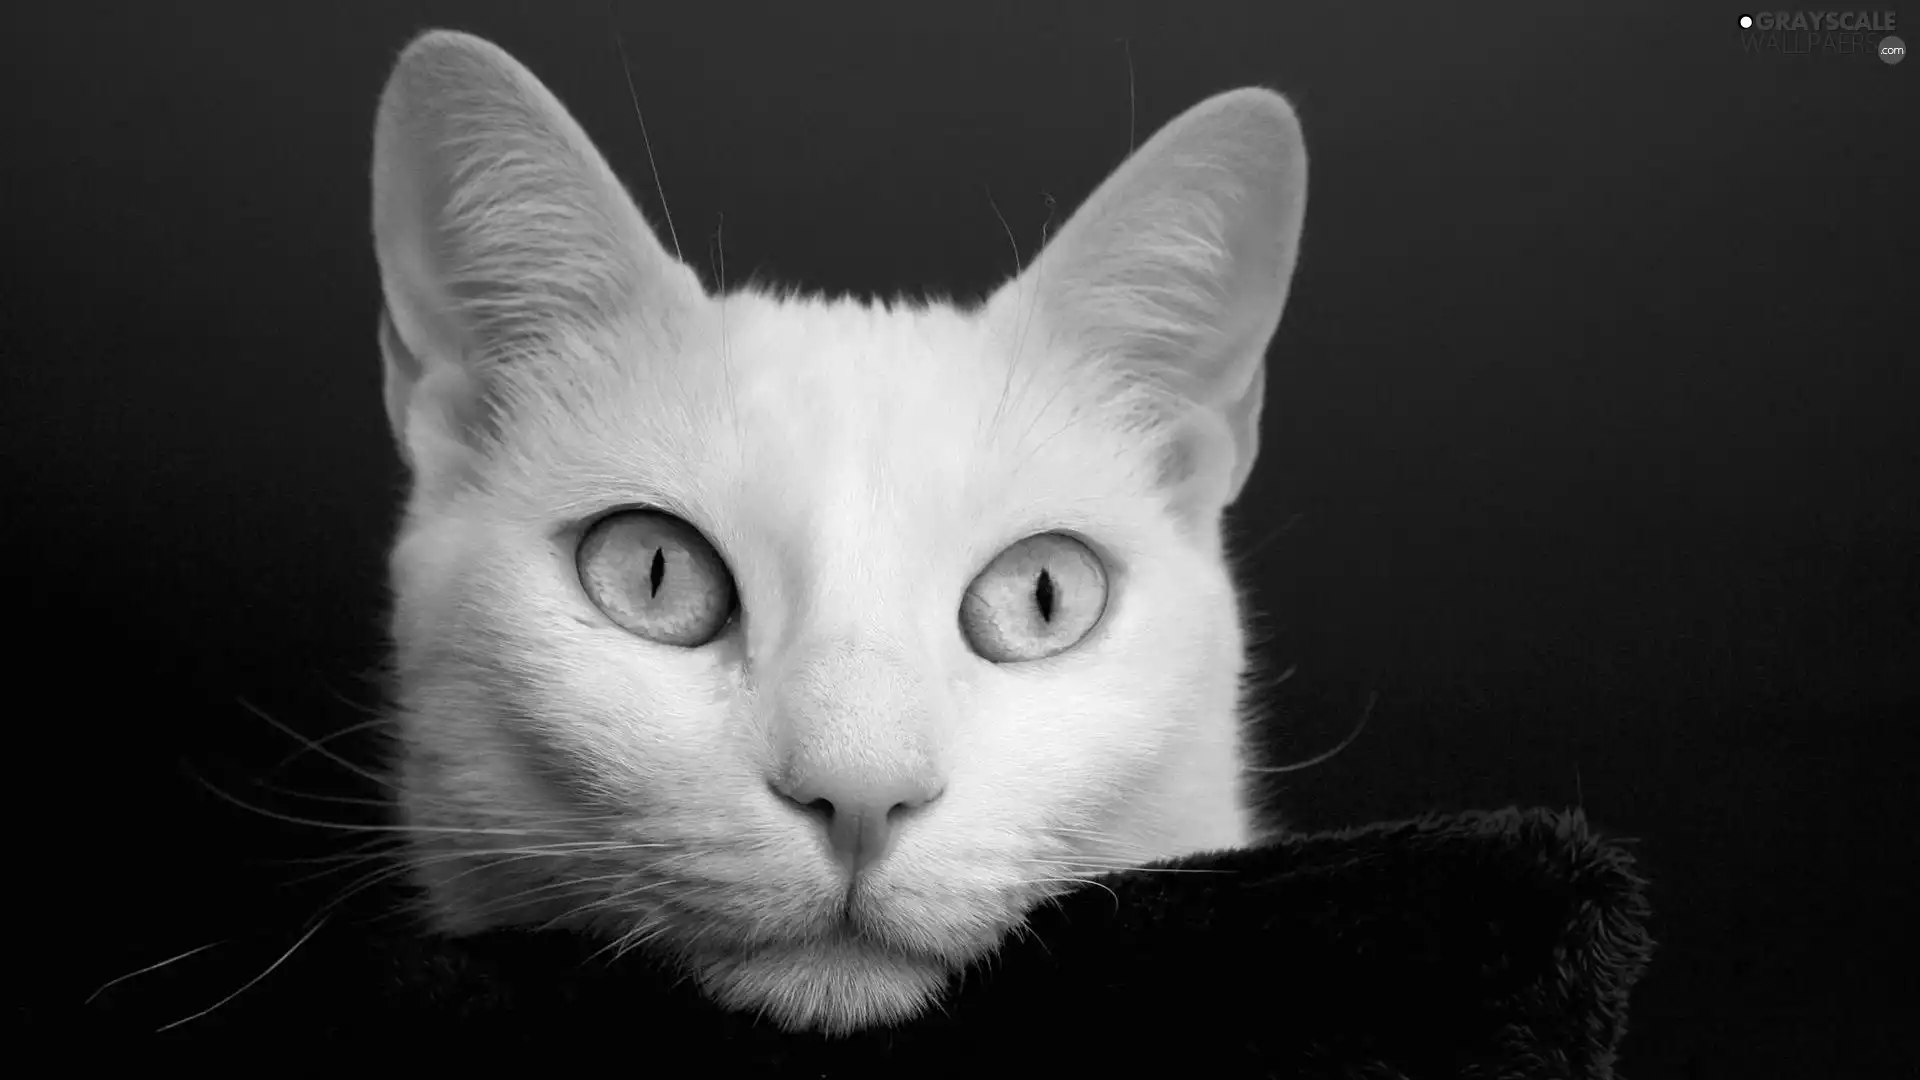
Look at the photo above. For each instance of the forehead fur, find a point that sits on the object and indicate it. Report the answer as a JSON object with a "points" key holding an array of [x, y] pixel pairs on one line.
{"points": [[809, 408]]}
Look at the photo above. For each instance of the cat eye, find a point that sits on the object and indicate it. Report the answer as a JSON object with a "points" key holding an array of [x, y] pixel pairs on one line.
{"points": [[1038, 598], [657, 577]]}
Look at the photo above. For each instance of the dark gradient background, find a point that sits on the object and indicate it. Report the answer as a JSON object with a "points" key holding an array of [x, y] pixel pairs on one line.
{"points": [[1590, 442]]}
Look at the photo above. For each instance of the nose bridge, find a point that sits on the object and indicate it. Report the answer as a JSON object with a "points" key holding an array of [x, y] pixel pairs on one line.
{"points": [[857, 708], [857, 733]]}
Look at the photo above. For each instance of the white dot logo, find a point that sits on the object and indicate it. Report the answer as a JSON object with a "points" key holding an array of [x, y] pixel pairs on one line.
{"points": [[1746, 22], [1892, 49]]}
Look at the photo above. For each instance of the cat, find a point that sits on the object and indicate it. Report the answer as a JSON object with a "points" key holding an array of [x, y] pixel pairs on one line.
{"points": [[807, 644]]}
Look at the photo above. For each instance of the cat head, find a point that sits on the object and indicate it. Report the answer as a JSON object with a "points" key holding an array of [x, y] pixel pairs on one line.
{"points": [[810, 642]]}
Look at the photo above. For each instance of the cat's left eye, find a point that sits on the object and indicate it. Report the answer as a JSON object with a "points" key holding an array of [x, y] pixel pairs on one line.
{"points": [[657, 577], [1038, 598]]}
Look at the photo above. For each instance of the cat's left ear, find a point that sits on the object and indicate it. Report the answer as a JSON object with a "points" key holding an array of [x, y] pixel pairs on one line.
{"points": [[1176, 269]]}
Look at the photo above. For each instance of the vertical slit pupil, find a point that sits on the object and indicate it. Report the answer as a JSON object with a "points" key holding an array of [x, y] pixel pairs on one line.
{"points": [[657, 571], [1043, 595]]}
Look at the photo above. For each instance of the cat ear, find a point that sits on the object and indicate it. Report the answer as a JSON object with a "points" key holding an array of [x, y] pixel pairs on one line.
{"points": [[1176, 270], [497, 224]]}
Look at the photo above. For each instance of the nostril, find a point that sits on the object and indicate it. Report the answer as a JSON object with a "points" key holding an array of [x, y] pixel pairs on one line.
{"points": [[912, 804], [859, 801], [798, 798], [856, 816]]}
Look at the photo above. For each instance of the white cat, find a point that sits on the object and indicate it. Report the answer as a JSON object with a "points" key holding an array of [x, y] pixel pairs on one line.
{"points": [[810, 643]]}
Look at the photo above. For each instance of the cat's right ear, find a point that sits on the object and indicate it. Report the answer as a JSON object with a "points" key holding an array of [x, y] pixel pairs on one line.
{"points": [[1174, 272], [497, 225]]}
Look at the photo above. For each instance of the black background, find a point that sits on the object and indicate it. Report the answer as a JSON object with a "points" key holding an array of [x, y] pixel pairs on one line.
{"points": [[1590, 440]]}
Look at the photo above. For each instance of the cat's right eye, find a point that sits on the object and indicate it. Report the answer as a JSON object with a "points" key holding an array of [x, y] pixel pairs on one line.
{"points": [[657, 577]]}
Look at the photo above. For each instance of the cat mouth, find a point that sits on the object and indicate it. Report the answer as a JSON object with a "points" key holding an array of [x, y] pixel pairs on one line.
{"points": [[861, 923], [864, 925], [914, 922]]}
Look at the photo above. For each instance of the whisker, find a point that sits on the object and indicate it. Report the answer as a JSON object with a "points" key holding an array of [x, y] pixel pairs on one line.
{"points": [[483, 859], [1013, 362], [250, 982], [369, 848], [314, 796], [344, 861], [646, 936], [379, 715], [111, 983], [551, 821], [487, 856], [378, 721], [1091, 834], [507, 900], [1131, 868], [380, 876], [620, 42], [1373, 698], [1248, 553], [1076, 882], [292, 819], [627, 894], [316, 747], [640, 935]]}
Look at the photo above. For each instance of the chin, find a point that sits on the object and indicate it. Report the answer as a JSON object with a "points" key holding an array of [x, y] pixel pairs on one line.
{"points": [[836, 985]]}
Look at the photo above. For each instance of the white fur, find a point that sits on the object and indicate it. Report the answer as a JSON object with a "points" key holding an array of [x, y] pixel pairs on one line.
{"points": [[855, 465]]}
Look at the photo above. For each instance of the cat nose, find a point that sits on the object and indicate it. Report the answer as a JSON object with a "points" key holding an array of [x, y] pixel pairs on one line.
{"points": [[859, 813]]}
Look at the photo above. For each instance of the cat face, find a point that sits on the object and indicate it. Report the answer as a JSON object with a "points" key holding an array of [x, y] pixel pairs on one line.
{"points": [[809, 643]]}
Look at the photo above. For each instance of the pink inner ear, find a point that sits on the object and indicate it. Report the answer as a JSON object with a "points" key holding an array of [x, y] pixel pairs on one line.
{"points": [[1177, 461]]}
